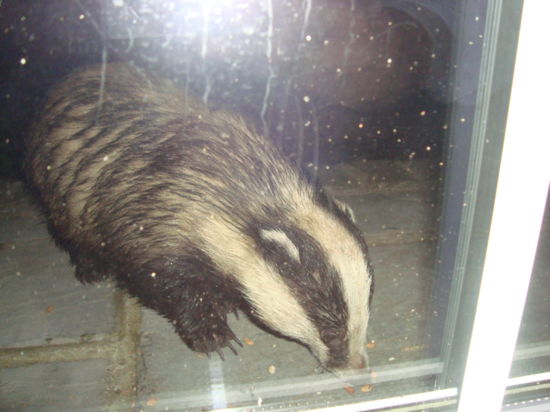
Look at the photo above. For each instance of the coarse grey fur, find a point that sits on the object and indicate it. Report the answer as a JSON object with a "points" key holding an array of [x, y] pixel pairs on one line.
{"points": [[196, 214]]}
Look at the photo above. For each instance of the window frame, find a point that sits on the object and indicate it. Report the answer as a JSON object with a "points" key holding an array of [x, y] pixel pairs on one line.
{"points": [[506, 150]]}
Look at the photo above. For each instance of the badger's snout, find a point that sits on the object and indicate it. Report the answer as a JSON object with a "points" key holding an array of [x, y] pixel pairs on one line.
{"points": [[357, 361], [354, 361]]}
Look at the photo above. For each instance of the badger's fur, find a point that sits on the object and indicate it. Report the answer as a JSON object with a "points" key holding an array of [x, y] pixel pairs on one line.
{"points": [[195, 214]]}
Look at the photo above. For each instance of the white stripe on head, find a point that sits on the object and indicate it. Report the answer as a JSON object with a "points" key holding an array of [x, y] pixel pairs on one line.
{"points": [[346, 256], [281, 238]]}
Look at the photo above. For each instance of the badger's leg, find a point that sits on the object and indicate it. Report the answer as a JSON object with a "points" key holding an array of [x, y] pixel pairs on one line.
{"points": [[189, 296], [202, 321], [87, 270]]}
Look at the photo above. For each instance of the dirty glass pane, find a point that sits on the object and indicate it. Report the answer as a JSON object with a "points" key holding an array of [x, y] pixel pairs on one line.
{"points": [[375, 100]]}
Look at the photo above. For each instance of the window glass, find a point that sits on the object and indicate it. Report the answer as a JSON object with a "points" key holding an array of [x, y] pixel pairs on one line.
{"points": [[376, 100]]}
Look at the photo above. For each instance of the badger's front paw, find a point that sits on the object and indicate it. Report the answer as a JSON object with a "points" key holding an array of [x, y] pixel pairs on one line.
{"points": [[210, 335], [87, 271]]}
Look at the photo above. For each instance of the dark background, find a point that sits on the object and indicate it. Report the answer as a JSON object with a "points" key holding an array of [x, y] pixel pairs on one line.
{"points": [[329, 81]]}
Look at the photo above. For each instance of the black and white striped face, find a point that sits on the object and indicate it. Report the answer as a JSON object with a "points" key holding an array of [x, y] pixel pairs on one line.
{"points": [[308, 280], [325, 269]]}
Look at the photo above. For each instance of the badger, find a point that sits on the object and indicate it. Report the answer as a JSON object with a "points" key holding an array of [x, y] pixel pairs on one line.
{"points": [[197, 215]]}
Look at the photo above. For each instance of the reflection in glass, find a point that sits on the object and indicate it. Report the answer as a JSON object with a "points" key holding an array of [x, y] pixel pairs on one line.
{"points": [[358, 94]]}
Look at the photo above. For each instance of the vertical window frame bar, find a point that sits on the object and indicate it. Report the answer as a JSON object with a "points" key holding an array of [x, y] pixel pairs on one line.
{"points": [[522, 188]]}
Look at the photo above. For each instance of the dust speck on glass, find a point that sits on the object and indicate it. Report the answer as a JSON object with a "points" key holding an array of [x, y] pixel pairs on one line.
{"points": [[370, 105]]}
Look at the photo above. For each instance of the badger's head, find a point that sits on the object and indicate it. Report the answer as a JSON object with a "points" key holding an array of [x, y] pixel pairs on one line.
{"points": [[307, 278]]}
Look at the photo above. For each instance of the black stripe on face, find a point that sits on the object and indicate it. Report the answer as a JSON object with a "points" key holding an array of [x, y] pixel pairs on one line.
{"points": [[314, 283]]}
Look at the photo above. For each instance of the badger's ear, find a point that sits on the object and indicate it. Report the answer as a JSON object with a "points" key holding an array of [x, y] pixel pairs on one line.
{"points": [[345, 208], [280, 238]]}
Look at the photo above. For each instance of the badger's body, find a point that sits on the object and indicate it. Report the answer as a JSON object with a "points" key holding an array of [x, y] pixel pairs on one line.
{"points": [[196, 215]]}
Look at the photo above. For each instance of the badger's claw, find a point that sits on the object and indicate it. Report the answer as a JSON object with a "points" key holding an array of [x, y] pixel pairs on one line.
{"points": [[236, 339], [203, 326], [209, 338], [232, 349]]}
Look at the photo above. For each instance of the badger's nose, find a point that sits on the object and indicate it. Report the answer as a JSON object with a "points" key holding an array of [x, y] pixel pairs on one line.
{"points": [[357, 361]]}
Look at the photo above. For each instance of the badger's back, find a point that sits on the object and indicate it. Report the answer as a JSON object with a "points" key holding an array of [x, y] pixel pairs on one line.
{"points": [[188, 206], [116, 147]]}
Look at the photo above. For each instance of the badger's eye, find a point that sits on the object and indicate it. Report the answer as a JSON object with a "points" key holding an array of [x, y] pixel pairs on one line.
{"points": [[333, 337]]}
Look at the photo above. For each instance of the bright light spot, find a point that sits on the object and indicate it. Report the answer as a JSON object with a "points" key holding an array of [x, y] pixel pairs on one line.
{"points": [[360, 125], [248, 30], [23, 61], [105, 158], [423, 113], [379, 132], [338, 70], [118, 3], [325, 42], [428, 148], [306, 99], [308, 38], [308, 123], [82, 17], [462, 120], [389, 61], [153, 274]]}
